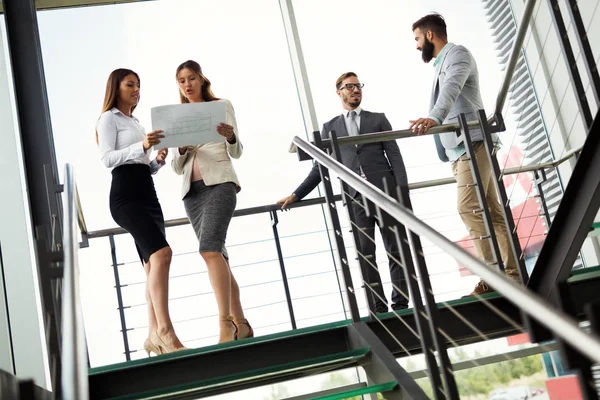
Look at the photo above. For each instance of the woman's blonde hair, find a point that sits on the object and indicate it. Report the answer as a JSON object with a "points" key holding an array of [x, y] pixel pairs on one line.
{"points": [[207, 94]]}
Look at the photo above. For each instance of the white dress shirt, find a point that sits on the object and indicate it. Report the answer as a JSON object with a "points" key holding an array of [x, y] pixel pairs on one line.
{"points": [[346, 115], [120, 140]]}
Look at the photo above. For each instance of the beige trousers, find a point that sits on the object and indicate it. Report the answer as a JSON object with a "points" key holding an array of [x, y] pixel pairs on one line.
{"points": [[468, 202]]}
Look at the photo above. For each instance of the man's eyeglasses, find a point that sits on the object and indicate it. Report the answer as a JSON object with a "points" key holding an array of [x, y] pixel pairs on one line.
{"points": [[351, 86]]}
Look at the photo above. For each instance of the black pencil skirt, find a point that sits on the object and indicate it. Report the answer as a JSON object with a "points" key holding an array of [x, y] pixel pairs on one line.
{"points": [[134, 207]]}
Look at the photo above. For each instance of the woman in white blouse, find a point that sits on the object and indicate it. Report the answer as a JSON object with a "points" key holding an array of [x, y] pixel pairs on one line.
{"points": [[209, 191], [126, 148]]}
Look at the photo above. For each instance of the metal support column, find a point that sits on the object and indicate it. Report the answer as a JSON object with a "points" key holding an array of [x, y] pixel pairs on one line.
{"points": [[485, 210], [38, 153], [567, 51], [509, 222], [113, 252], [286, 286], [572, 220], [337, 232], [381, 366], [309, 114]]}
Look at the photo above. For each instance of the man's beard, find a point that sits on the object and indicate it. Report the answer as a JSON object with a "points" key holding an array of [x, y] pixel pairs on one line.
{"points": [[352, 102], [427, 51]]}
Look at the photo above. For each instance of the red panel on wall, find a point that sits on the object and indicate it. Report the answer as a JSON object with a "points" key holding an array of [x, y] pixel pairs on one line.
{"points": [[564, 388], [521, 338]]}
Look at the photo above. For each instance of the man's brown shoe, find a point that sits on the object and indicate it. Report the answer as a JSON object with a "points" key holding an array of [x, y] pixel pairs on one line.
{"points": [[480, 288], [515, 277]]}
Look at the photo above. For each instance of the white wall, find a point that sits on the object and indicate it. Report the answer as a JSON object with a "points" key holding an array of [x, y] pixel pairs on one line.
{"points": [[21, 283], [556, 95]]}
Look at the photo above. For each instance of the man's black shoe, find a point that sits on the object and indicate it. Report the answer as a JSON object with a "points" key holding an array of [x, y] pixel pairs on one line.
{"points": [[398, 307], [381, 309]]}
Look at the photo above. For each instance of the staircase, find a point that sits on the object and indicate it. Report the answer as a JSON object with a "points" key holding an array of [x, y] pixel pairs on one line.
{"points": [[550, 309]]}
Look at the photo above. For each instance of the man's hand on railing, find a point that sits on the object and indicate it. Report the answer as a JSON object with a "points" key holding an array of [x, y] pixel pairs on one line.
{"points": [[286, 201], [421, 126]]}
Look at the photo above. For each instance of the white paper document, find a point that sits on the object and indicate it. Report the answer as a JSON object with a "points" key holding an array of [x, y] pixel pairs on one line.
{"points": [[189, 124]]}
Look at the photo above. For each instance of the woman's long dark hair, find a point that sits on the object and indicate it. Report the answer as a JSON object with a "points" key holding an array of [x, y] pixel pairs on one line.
{"points": [[111, 96], [207, 94]]}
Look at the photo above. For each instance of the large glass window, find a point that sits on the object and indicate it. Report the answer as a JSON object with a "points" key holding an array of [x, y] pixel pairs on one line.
{"points": [[242, 49], [375, 40]]}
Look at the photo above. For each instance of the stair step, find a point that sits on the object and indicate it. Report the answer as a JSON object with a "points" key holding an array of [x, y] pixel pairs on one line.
{"points": [[268, 354], [124, 366], [263, 373], [384, 387]]}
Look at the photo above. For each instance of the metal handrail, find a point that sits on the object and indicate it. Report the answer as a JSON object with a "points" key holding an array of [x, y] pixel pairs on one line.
{"points": [[74, 354], [507, 171], [557, 321], [377, 137], [320, 200]]}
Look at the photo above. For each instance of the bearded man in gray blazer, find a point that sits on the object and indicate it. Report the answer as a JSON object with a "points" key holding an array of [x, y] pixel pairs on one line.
{"points": [[375, 162], [455, 91]]}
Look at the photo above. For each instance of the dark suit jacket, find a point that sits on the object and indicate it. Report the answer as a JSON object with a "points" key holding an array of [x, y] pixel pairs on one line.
{"points": [[378, 160]]}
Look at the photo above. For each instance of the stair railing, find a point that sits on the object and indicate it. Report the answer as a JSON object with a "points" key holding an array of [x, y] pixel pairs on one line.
{"points": [[74, 354]]}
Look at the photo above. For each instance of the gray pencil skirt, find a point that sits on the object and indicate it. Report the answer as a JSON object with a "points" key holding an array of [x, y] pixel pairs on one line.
{"points": [[209, 209]]}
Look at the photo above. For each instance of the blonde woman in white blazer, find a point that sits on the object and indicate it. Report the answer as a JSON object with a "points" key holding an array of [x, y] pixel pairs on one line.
{"points": [[209, 190]]}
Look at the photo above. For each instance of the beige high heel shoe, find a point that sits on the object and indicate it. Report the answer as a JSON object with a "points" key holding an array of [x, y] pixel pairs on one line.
{"points": [[162, 347], [149, 347], [244, 322], [227, 320]]}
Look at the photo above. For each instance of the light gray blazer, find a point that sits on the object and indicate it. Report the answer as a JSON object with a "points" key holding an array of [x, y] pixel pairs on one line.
{"points": [[455, 91], [214, 159]]}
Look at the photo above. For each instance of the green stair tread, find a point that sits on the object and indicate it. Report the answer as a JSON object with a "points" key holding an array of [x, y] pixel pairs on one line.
{"points": [[351, 355], [584, 273], [217, 347], [596, 225], [384, 387], [578, 275]]}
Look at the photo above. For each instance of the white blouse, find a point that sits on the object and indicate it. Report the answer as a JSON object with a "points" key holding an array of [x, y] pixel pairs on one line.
{"points": [[120, 140]]}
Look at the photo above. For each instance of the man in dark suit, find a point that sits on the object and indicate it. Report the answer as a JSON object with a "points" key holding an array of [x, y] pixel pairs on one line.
{"points": [[375, 162]]}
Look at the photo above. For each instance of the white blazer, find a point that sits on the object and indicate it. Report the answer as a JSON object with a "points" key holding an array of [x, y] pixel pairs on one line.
{"points": [[214, 159]]}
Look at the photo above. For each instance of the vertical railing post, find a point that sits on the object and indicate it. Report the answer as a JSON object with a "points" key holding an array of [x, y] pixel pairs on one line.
{"points": [[420, 312], [485, 210], [337, 233], [540, 178], [509, 222], [115, 265], [450, 387], [74, 350], [346, 199], [284, 279]]}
